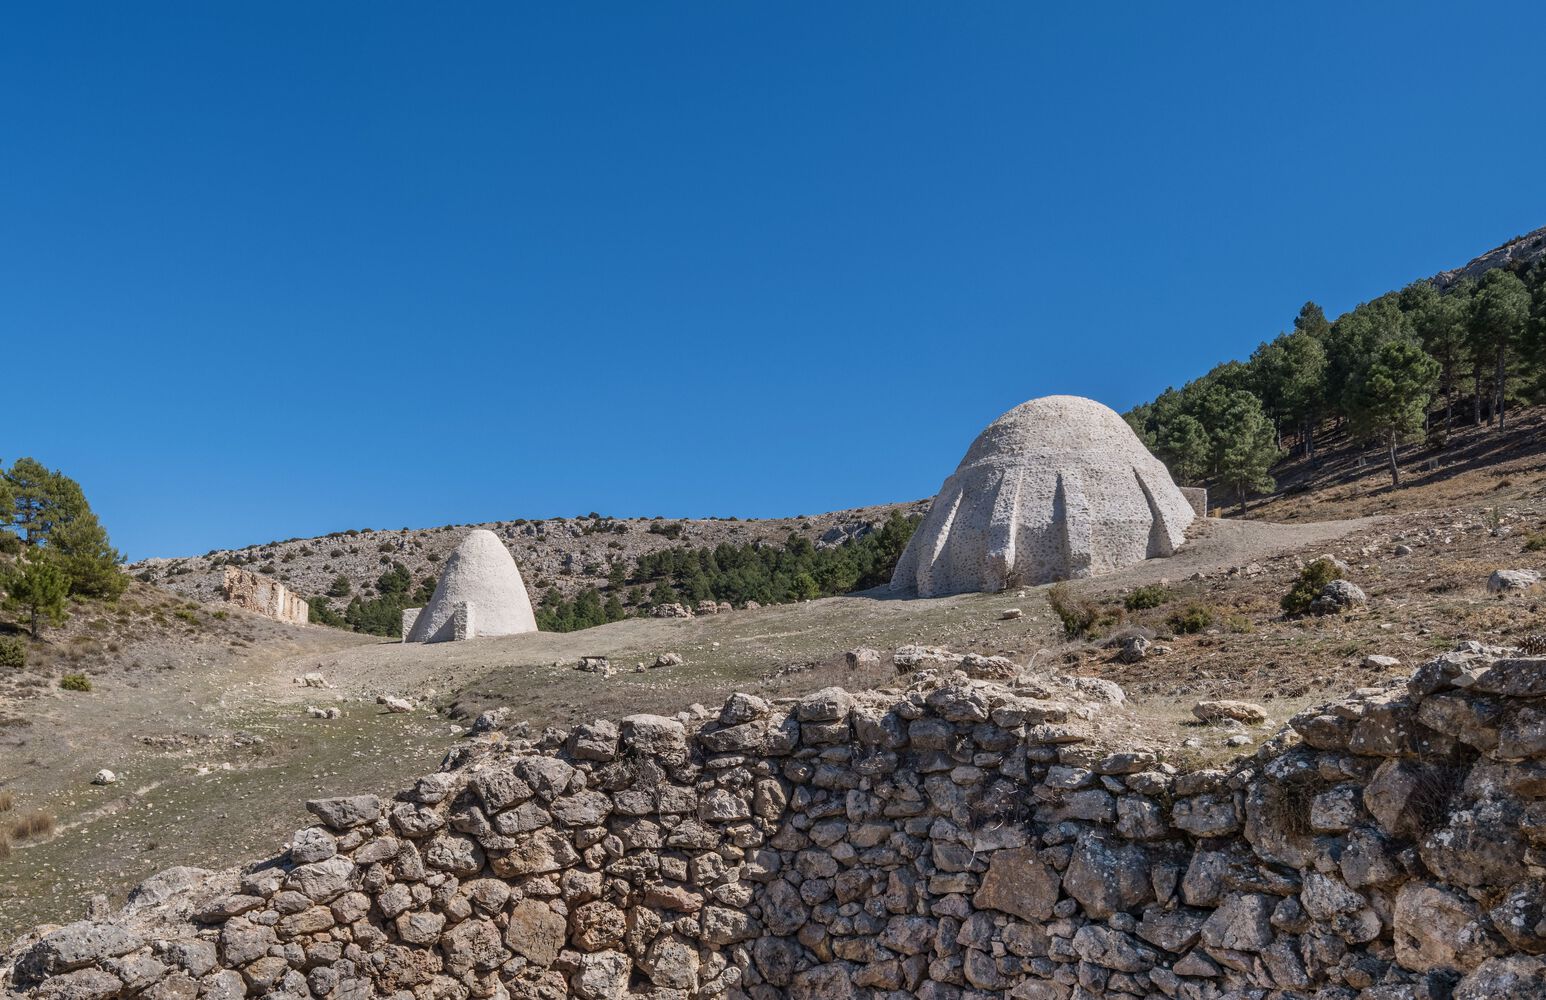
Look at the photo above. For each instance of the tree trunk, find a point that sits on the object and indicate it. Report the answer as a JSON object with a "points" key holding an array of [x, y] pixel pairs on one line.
{"points": [[1309, 438], [37, 622], [1449, 399], [1395, 473], [1476, 397], [1242, 498], [1500, 382]]}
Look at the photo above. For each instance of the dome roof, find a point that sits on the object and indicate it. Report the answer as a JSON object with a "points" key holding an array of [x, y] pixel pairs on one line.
{"points": [[1057, 488], [479, 573]]}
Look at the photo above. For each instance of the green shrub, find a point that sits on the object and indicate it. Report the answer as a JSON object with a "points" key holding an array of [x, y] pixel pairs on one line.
{"points": [[1536, 542], [319, 611], [75, 682], [13, 653], [1078, 615], [1191, 619], [1144, 598], [1312, 580]]}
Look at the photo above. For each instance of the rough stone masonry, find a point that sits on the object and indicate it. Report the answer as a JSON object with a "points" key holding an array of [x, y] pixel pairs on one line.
{"points": [[959, 840], [1058, 488], [270, 598]]}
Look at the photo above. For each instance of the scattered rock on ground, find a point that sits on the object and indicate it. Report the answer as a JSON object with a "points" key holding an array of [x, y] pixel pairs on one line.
{"points": [[1336, 597], [1232, 711], [862, 658], [1134, 648], [1505, 580], [912, 658]]}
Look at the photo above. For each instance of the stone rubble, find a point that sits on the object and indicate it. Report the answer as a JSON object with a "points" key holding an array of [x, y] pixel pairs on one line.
{"points": [[960, 839]]}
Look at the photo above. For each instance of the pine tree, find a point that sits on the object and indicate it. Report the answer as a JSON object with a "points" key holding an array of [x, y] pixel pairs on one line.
{"points": [[1312, 320], [41, 498], [1500, 313], [87, 558], [1392, 396], [1439, 321], [38, 586], [1245, 447], [1185, 447], [7, 500]]}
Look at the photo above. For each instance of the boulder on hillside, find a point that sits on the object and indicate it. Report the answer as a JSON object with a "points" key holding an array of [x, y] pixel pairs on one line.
{"points": [[1504, 581], [1337, 597]]}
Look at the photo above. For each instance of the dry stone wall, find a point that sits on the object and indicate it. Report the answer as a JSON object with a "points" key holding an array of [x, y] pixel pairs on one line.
{"points": [[960, 840], [270, 598]]}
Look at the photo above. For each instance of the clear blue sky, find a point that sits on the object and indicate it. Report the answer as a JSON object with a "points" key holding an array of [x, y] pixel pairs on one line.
{"points": [[277, 269]]}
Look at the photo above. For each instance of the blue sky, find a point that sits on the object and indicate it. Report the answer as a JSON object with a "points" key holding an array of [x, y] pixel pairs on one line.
{"points": [[272, 270]]}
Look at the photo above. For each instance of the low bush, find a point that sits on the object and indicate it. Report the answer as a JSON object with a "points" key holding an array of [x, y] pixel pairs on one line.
{"points": [[1312, 580], [1077, 614], [75, 682], [1143, 598], [13, 653], [1536, 542], [1191, 619]]}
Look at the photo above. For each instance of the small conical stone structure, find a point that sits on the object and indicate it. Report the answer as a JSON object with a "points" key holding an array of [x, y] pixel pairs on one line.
{"points": [[1055, 489], [480, 593]]}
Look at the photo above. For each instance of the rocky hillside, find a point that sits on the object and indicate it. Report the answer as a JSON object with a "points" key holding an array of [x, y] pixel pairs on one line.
{"points": [[1524, 249], [965, 837], [571, 554]]}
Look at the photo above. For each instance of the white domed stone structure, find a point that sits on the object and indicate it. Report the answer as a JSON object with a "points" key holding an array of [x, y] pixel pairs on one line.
{"points": [[1055, 489], [480, 593]]}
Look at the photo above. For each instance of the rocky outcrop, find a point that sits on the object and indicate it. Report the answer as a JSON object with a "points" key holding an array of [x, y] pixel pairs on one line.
{"points": [[1519, 251], [959, 840], [261, 595]]}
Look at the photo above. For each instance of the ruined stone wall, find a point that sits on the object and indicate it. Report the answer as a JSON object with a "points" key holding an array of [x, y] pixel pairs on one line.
{"points": [[261, 595], [961, 840]]}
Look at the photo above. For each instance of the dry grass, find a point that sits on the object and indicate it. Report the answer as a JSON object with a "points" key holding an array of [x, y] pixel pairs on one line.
{"points": [[1286, 805], [7, 802], [31, 825], [1436, 787]]}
